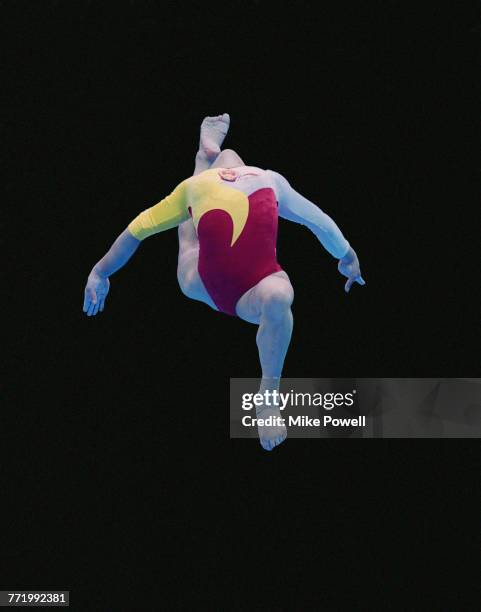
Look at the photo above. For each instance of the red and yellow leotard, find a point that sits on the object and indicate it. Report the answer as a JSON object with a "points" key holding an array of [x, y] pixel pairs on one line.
{"points": [[235, 215]]}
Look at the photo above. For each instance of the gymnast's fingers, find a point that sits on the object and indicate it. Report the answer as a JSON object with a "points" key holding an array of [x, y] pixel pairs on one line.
{"points": [[88, 297], [91, 309], [348, 284]]}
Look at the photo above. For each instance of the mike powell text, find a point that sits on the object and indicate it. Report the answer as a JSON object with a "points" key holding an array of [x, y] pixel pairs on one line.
{"points": [[302, 421]]}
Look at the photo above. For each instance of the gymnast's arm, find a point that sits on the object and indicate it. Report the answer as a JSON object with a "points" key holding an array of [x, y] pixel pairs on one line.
{"points": [[295, 207], [168, 213]]}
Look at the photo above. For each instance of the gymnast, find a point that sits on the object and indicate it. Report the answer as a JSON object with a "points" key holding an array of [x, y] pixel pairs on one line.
{"points": [[227, 215]]}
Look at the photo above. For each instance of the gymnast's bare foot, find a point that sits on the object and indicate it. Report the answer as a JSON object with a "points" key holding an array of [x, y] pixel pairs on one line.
{"points": [[273, 430], [213, 130]]}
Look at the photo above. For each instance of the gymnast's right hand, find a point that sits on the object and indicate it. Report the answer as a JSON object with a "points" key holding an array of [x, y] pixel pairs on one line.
{"points": [[95, 293], [349, 267]]}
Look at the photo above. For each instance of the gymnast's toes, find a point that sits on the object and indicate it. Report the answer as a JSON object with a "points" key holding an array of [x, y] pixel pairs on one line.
{"points": [[270, 443]]}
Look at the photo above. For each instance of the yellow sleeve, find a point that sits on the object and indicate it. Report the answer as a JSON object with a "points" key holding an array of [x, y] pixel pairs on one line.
{"points": [[168, 213]]}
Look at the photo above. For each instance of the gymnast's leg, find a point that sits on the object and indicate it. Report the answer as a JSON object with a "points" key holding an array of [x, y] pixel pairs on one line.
{"points": [[212, 133], [268, 304]]}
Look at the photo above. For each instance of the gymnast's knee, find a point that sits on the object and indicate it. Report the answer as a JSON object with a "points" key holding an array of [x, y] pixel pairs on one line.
{"points": [[277, 301]]}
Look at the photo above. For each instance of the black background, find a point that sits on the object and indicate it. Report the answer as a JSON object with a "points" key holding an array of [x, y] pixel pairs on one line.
{"points": [[117, 426]]}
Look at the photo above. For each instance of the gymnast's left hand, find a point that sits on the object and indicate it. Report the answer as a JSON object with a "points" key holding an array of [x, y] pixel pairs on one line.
{"points": [[349, 266], [95, 293]]}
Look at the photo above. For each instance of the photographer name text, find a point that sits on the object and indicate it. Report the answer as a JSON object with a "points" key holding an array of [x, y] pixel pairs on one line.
{"points": [[302, 421]]}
